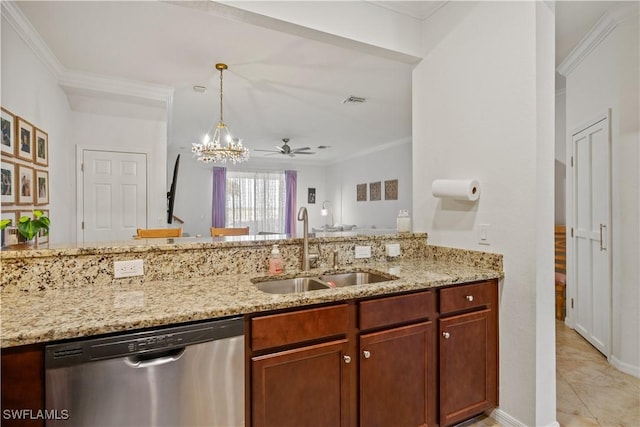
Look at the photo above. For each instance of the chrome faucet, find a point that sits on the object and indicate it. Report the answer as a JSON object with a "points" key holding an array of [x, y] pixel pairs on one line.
{"points": [[307, 258]]}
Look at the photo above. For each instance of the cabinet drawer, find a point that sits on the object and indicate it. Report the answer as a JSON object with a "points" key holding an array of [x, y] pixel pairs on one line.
{"points": [[298, 326], [467, 296], [398, 309]]}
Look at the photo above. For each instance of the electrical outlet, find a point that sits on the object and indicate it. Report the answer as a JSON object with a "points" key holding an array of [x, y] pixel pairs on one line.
{"points": [[363, 252], [393, 249], [128, 268]]}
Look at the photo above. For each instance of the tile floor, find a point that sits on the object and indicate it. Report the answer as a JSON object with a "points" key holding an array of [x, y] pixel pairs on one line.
{"points": [[590, 391]]}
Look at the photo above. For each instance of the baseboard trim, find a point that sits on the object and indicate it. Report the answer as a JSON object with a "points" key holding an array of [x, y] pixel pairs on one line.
{"points": [[625, 367], [506, 420]]}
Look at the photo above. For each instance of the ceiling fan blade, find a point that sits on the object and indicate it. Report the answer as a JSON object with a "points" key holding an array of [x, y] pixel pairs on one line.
{"points": [[270, 151], [280, 149], [273, 153], [305, 152], [301, 149]]}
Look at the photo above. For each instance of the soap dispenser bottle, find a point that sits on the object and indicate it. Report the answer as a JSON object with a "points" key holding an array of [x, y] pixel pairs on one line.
{"points": [[275, 261]]}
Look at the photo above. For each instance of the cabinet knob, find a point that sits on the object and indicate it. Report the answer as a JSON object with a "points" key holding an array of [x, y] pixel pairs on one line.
{"points": [[446, 335], [347, 359], [469, 298], [366, 354]]}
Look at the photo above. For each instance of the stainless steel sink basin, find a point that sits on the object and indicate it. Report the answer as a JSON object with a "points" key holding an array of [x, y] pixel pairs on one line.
{"points": [[326, 281], [354, 278], [289, 286]]}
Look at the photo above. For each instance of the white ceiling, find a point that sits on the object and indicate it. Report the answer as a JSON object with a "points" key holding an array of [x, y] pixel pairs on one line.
{"points": [[278, 85]]}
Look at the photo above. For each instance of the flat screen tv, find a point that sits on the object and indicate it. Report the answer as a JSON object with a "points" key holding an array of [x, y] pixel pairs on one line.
{"points": [[171, 194]]}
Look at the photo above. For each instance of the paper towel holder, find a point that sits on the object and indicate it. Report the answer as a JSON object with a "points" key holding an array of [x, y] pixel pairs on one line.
{"points": [[467, 190]]}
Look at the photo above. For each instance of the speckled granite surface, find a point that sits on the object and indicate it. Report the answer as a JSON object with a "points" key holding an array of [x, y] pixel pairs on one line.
{"points": [[43, 302]]}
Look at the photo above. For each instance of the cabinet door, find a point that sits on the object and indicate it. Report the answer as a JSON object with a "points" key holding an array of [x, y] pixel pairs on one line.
{"points": [[307, 386], [468, 365], [397, 377]]}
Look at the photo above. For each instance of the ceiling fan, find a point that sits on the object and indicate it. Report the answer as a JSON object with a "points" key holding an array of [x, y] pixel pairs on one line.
{"points": [[287, 150]]}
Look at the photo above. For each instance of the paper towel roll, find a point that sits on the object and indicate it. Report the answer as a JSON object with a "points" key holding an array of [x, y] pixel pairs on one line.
{"points": [[457, 189]]}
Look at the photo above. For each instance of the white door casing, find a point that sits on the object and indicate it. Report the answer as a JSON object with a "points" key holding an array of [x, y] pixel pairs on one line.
{"points": [[112, 193], [591, 242]]}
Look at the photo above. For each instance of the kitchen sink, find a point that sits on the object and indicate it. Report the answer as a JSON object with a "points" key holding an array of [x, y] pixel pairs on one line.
{"points": [[340, 280], [325, 281], [290, 286]]}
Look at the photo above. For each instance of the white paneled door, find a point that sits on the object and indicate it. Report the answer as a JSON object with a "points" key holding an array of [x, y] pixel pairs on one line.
{"points": [[592, 230], [114, 193]]}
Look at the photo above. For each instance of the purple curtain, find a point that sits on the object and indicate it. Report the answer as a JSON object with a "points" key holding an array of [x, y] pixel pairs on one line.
{"points": [[291, 184], [219, 197]]}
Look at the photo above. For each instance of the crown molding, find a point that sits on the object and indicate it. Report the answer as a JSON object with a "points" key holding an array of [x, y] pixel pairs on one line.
{"points": [[595, 36], [12, 13], [82, 82]]}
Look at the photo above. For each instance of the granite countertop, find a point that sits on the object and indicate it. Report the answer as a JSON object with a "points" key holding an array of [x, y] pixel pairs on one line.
{"points": [[57, 314]]}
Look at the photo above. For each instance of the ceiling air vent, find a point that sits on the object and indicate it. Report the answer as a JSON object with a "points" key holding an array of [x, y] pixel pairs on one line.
{"points": [[353, 100]]}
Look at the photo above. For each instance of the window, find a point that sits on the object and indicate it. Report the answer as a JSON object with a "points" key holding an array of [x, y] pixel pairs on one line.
{"points": [[256, 200]]}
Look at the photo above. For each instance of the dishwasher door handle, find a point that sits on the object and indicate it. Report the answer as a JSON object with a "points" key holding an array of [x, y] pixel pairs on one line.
{"points": [[149, 362]]}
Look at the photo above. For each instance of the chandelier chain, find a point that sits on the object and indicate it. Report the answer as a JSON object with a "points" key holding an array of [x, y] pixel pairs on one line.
{"points": [[221, 119]]}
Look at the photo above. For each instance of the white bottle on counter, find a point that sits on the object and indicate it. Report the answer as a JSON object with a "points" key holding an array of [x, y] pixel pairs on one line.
{"points": [[403, 221], [275, 261]]}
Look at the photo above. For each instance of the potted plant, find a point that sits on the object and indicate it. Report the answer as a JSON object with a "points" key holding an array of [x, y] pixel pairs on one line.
{"points": [[30, 227]]}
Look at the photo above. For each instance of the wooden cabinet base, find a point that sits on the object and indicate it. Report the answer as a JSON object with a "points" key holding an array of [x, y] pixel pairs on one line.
{"points": [[23, 387]]}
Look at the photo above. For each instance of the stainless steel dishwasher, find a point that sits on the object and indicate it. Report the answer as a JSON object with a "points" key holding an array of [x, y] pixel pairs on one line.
{"points": [[189, 375]]}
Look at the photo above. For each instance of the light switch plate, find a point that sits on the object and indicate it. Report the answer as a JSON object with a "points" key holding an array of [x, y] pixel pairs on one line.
{"points": [[483, 234], [128, 268], [393, 249], [363, 252]]}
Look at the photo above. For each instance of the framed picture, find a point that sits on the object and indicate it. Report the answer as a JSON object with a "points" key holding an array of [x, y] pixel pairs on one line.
{"points": [[25, 140], [9, 183], [7, 122], [311, 195], [25, 185], [375, 191], [391, 189], [12, 215], [361, 192], [42, 187], [41, 148]]}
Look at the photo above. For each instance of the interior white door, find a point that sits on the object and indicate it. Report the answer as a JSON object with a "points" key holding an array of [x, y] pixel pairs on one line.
{"points": [[592, 207], [114, 192]]}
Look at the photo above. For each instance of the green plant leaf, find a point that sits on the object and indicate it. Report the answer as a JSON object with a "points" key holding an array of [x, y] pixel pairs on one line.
{"points": [[5, 223]]}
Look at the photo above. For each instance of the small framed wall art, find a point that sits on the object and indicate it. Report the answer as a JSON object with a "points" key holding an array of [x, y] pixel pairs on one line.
{"points": [[311, 195], [7, 123], [42, 148], [361, 192], [42, 187], [25, 140], [25, 185], [375, 191], [391, 189], [9, 183]]}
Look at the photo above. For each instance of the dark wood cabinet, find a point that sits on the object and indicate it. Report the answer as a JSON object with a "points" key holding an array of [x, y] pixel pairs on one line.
{"points": [[22, 386], [397, 377], [468, 338], [306, 386]]}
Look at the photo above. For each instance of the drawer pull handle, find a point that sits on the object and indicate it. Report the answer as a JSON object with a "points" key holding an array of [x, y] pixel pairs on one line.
{"points": [[366, 354], [347, 359], [446, 335], [469, 298]]}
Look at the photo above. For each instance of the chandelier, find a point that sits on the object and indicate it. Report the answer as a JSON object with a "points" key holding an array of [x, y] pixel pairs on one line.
{"points": [[222, 147]]}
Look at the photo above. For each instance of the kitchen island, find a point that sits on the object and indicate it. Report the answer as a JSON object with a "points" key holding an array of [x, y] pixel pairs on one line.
{"points": [[66, 293]]}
